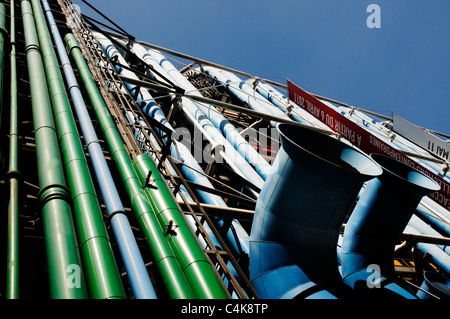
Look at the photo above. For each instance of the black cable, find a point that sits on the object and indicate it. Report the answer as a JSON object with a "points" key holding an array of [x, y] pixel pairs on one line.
{"points": [[115, 24]]}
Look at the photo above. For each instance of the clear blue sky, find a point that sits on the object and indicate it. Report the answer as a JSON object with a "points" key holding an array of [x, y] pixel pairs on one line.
{"points": [[323, 46]]}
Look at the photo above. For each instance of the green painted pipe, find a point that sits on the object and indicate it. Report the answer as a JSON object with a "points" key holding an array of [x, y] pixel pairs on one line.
{"points": [[101, 270], [12, 268], [198, 270], [66, 275], [191, 257], [176, 283], [3, 37]]}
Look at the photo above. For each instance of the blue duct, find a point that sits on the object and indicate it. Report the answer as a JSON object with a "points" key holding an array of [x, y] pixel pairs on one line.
{"points": [[398, 141], [289, 107], [427, 209], [425, 229], [160, 63], [220, 122], [178, 150], [201, 120], [245, 92], [440, 258], [299, 212], [369, 123], [378, 219], [272, 95], [436, 222], [235, 160], [192, 170], [436, 284], [192, 221], [134, 264]]}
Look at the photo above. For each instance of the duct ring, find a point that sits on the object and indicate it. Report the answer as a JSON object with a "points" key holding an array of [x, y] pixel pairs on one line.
{"points": [[53, 191], [115, 213]]}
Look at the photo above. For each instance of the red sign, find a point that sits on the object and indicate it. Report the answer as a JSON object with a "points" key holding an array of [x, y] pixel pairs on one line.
{"points": [[363, 139]]}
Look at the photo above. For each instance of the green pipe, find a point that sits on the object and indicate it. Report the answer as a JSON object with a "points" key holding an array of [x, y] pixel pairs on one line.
{"points": [[3, 37], [66, 275], [175, 282], [102, 274], [199, 272], [191, 257], [12, 268]]}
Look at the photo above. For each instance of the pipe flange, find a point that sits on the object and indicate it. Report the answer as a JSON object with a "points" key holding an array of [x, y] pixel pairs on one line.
{"points": [[51, 192], [110, 217], [15, 174]]}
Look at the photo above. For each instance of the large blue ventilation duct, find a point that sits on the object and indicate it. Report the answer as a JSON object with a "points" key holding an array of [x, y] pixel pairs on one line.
{"points": [[315, 181], [378, 219]]}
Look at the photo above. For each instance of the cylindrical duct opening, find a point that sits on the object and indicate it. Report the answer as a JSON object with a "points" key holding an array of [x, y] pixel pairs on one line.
{"points": [[312, 187], [408, 176], [378, 219], [302, 143], [436, 284]]}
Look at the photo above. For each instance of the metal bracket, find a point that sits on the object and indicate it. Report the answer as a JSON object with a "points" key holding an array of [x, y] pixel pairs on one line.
{"points": [[289, 109], [165, 151], [170, 230], [176, 101], [445, 168], [255, 83], [391, 136], [147, 181], [352, 109]]}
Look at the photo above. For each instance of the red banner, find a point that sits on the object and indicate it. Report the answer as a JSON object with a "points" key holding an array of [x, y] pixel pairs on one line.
{"points": [[363, 139]]}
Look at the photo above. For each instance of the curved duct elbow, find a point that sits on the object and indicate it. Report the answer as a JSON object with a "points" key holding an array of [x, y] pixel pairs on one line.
{"points": [[378, 219], [280, 277], [313, 185]]}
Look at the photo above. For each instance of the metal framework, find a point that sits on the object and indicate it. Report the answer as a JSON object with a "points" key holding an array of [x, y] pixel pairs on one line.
{"points": [[121, 101], [145, 135]]}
